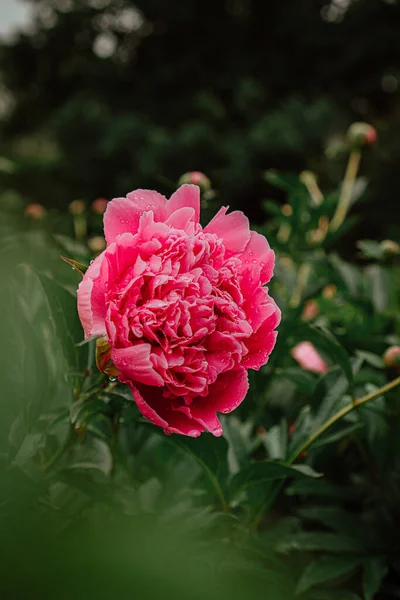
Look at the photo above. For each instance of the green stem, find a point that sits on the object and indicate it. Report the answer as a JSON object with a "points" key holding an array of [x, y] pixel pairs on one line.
{"points": [[339, 415], [347, 189], [301, 284]]}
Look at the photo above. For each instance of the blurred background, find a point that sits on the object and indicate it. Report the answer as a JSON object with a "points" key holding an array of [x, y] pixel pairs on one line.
{"points": [[99, 97]]}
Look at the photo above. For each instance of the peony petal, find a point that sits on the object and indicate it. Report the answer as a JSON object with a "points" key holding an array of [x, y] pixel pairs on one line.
{"points": [[123, 214], [262, 342], [233, 229], [91, 299], [183, 218], [135, 364], [258, 307], [186, 196], [224, 396], [259, 253], [156, 409]]}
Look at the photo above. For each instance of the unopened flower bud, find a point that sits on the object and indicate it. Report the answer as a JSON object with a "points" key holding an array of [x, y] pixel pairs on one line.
{"points": [[35, 210], [307, 356], [99, 206], [361, 134], [392, 356], [310, 311], [97, 244], [76, 207], [196, 178], [329, 291], [389, 248], [287, 210]]}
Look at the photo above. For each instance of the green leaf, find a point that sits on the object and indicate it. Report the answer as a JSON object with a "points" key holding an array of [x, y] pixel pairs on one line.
{"points": [[379, 287], [275, 441], [325, 569], [339, 435], [91, 453], [334, 595], [79, 267], [211, 453], [375, 569], [65, 316], [303, 380], [370, 249], [238, 435], [318, 541], [337, 519], [261, 473]]}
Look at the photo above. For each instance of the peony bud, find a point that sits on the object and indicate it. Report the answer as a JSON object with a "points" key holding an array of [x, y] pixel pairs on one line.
{"points": [[97, 244], [392, 356], [389, 248], [310, 311], [35, 210], [287, 210], [361, 134], [308, 357], [103, 358], [99, 206], [76, 207], [196, 178], [329, 291]]}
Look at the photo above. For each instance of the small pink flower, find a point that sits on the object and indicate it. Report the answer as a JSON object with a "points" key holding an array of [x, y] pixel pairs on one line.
{"points": [[184, 309], [197, 178], [308, 358], [392, 356]]}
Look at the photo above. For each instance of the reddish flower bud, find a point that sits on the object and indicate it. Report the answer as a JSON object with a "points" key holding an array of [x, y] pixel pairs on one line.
{"points": [[99, 206], [35, 210], [310, 311], [329, 291], [287, 210], [389, 248], [196, 178], [308, 357], [361, 134], [392, 356], [76, 207]]}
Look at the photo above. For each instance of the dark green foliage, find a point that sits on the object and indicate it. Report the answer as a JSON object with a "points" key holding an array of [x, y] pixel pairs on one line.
{"points": [[99, 503]]}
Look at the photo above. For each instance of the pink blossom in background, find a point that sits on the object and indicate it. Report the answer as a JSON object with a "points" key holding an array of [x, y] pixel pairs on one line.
{"points": [[184, 309], [308, 357], [99, 206]]}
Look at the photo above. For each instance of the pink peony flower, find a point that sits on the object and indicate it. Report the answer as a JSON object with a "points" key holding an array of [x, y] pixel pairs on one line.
{"points": [[183, 308], [308, 358]]}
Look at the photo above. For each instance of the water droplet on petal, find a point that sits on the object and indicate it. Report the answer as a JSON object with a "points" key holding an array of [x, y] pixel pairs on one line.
{"points": [[254, 261], [167, 432]]}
